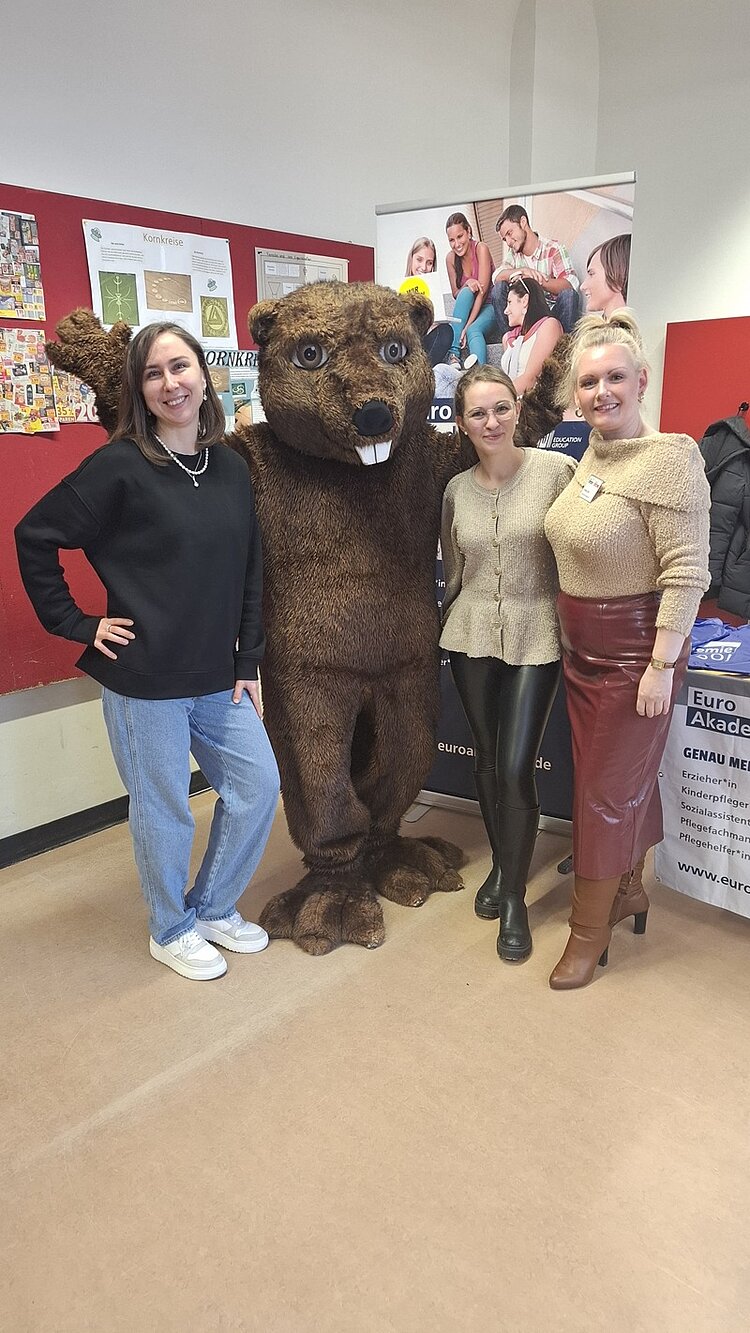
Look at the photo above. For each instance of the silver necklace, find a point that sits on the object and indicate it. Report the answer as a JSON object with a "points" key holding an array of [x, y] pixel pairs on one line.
{"points": [[193, 473]]}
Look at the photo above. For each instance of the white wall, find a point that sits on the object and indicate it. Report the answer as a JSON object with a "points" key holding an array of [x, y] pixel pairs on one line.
{"points": [[300, 115], [292, 114], [54, 755], [674, 105], [566, 91]]}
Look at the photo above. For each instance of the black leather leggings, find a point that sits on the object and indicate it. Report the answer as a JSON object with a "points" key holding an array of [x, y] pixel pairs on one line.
{"points": [[507, 708]]}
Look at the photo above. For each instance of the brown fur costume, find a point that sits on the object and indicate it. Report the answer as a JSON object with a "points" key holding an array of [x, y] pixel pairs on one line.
{"points": [[350, 679], [539, 410]]}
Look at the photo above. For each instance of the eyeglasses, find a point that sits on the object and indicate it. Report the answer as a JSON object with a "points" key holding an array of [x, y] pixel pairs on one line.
{"points": [[501, 411]]}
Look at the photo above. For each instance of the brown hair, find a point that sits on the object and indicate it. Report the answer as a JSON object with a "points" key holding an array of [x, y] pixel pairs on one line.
{"points": [[593, 331], [459, 220], [135, 422], [513, 213], [421, 243], [482, 375], [614, 256]]}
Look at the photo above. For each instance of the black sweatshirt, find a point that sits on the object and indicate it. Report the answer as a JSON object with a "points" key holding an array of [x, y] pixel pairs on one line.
{"points": [[183, 562]]}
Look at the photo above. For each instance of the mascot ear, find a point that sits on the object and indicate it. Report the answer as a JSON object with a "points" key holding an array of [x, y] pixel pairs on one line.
{"points": [[420, 310], [261, 320]]}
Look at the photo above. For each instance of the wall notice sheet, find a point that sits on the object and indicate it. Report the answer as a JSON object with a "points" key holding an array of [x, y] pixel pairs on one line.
{"points": [[21, 291], [282, 271], [142, 276], [27, 400]]}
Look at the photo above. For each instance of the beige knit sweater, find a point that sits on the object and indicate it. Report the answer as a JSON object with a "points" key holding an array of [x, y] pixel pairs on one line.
{"points": [[645, 530], [500, 576]]}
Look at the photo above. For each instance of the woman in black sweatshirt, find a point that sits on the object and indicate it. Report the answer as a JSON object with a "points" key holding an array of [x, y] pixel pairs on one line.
{"points": [[165, 514]]}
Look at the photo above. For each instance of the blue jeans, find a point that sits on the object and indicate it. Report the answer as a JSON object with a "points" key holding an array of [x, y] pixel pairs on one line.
{"points": [[151, 741], [476, 334], [565, 308]]}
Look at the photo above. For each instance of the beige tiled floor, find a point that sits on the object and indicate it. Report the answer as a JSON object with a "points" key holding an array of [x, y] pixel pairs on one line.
{"points": [[415, 1139]]}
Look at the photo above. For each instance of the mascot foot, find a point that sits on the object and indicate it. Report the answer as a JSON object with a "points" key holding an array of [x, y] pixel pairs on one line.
{"points": [[408, 870], [325, 910]]}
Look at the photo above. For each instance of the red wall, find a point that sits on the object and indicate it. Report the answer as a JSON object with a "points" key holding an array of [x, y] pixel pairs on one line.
{"points": [[31, 464], [706, 373]]}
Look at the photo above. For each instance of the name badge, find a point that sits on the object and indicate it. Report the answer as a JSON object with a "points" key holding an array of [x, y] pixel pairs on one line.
{"points": [[592, 488]]}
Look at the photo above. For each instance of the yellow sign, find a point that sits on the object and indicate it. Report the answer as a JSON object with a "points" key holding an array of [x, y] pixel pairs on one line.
{"points": [[415, 285]]}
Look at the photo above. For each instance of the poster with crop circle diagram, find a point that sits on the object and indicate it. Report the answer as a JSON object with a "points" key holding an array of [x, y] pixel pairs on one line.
{"points": [[144, 275]]}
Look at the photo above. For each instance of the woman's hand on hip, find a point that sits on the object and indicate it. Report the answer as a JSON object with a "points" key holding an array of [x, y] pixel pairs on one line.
{"points": [[654, 692], [252, 688], [113, 630]]}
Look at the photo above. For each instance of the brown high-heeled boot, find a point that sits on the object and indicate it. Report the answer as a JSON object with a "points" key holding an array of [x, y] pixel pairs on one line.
{"points": [[590, 933], [631, 900]]}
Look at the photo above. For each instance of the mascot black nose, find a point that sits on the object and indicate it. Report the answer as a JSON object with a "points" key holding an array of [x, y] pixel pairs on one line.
{"points": [[373, 418]]}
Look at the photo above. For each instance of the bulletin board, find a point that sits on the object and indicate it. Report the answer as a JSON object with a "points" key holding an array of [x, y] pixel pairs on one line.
{"points": [[31, 464]]}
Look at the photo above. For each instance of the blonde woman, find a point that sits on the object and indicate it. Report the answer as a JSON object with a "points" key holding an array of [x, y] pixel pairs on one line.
{"points": [[630, 536]]}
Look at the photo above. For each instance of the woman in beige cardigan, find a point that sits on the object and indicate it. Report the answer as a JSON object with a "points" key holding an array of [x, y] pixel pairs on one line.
{"points": [[630, 536], [500, 628]]}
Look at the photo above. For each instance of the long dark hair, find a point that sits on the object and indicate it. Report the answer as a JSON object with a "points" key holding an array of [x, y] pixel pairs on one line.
{"points": [[537, 308], [135, 422], [459, 220]]}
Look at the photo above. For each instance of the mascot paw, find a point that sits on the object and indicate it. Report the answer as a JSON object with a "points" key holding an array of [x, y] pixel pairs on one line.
{"points": [[325, 910], [408, 870], [95, 355]]}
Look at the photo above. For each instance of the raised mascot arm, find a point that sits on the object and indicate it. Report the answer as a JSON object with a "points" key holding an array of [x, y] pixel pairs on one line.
{"points": [[95, 356]]}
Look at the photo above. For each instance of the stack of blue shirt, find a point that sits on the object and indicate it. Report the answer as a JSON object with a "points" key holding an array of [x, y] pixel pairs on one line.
{"points": [[716, 646]]}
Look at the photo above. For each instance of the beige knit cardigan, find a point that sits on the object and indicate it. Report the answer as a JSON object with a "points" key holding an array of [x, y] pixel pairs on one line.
{"points": [[645, 530], [500, 576]]}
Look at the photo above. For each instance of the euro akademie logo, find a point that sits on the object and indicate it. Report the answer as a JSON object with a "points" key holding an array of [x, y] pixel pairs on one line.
{"points": [[716, 712], [95, 234]]}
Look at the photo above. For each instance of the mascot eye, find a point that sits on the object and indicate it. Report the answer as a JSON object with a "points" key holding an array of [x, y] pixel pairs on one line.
{"points": [[309, 355], [393, 351]]}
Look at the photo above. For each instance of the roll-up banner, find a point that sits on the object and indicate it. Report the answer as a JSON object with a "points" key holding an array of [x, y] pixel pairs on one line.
{"points": [[578, 231], [705, 790]]}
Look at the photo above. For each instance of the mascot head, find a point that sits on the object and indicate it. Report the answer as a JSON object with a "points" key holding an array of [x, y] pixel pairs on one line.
{"points": [[343, 374]]}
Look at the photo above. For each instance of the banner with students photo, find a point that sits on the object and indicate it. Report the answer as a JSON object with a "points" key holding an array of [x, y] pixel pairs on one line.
{"points": [[705, 790], [571, 239]]}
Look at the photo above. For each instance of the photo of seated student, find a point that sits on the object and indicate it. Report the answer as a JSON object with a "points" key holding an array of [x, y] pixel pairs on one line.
{"points": [[532, 335], [421, 259], [469, 267], [542, 260]]}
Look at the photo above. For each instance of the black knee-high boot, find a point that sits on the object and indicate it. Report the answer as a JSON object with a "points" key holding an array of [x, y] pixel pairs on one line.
{"points": [[517, 830], [486, 903]]}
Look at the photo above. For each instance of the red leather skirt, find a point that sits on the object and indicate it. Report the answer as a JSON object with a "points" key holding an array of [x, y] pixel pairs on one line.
{"points": [[616, 754]]}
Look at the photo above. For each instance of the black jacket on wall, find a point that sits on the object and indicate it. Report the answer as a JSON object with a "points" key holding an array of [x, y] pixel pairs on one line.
{"points": [[726, 452]]}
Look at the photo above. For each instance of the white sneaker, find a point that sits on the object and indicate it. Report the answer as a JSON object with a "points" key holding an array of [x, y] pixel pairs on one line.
{"points": [[190, 956], [470, 361], [233, 932]]}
